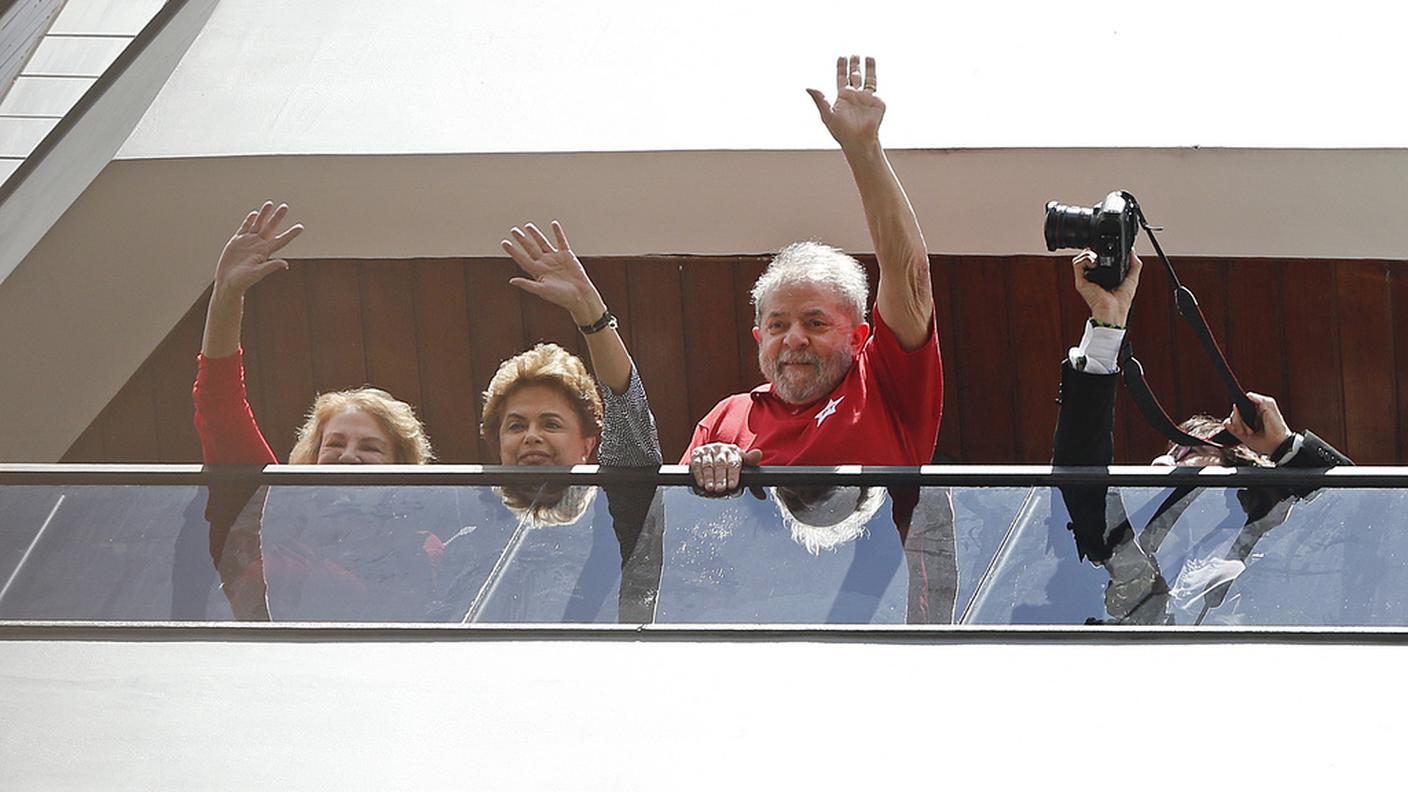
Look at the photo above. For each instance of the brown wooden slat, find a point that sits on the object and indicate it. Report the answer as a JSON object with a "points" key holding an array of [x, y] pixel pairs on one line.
{"points": [[657, 343], [1255, 343], [449, 404], [1399, 286], [335, 324], [495, 326], [279, 318], [951, 428], [980, 303], [711, 328], [1314, 390], [389, 330], [1200, 390], [1366, 327], [1035, 312], [745, 273]]}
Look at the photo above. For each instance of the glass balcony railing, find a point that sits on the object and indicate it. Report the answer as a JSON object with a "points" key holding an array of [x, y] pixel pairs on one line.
{"points": [[886, 546]]}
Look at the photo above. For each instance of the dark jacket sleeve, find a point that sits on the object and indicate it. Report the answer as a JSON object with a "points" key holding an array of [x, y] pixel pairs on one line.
{"points": [[1086, 420], [1316, 453], [1085, 436]]}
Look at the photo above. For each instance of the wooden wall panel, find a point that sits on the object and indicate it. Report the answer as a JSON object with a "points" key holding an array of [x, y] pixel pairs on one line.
{"points": [[713, 321], [495, 328], [1322, 337], [951, 428], [657, 345], [335, 325], [1398, 276], [1366, 352], [389, 329], [1315, 387], [983, 355], [448, 397], [1034, 315]]}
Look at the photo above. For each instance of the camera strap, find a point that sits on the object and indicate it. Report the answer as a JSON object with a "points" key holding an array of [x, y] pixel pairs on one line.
{"points": [[1133, 372]]}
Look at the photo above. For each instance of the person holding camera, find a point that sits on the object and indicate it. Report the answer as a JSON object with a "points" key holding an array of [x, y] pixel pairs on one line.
{"points": [[1137, 592]]}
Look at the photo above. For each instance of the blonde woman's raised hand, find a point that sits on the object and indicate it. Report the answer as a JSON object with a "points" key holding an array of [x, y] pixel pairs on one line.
{"points": [[249, 255]]}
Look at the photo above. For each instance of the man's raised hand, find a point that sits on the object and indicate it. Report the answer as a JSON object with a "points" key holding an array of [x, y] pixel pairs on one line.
{"points": [[248, 256], [554, 272], [854, 118]]}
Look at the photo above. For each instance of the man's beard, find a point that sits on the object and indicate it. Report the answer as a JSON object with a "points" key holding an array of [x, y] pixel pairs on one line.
{"points": [[805, 384]]}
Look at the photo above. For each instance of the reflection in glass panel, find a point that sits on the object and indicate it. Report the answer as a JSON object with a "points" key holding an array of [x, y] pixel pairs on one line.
{"points": [[641, 554], [1212, 556], [814, 555]]}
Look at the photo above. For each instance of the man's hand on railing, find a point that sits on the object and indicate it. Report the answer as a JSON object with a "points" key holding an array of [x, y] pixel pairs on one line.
{"points": [[716, 467]]}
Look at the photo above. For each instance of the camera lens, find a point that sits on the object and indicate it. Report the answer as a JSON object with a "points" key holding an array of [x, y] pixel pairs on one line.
{"points": [[1068, 226]]}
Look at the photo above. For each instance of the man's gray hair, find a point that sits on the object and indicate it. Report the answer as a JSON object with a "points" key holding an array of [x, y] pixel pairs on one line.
{"points": [[816, 263]]}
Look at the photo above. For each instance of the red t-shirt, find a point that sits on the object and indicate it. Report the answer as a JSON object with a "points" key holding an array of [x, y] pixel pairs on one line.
{"points": [[885, 412]]}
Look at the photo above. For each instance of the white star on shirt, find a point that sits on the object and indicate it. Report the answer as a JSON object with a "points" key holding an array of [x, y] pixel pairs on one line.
{"points": [[829, 410]]}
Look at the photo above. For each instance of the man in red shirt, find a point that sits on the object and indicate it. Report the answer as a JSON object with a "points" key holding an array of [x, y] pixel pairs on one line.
{"points": [[839, 390]]}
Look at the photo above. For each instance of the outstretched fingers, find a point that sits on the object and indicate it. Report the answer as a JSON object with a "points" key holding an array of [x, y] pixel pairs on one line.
{"points": [[291, 233], [248, 222], [265, 212], [841, 74], [521, 258], [540, 240], [562, 243], [274, 219], [853, 77], [822, 106], [526, 242], [869, 75]]}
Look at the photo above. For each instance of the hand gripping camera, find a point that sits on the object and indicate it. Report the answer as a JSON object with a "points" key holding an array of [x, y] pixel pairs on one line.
{"points": [[1108, 228]]}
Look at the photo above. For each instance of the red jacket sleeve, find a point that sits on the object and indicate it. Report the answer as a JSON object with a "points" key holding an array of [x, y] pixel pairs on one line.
{"points": [[228, 432]]}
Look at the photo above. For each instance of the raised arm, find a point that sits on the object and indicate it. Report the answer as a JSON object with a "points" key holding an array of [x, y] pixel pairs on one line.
{"points": [[628, 436], [557, 276], [904, 296], [247, 258]]}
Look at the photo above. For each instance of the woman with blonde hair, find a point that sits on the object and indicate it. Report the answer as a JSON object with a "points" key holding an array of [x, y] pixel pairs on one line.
{"points": [[359, 426]]}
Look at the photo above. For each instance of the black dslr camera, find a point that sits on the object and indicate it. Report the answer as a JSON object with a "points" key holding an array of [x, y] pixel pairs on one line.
{"points": [[1108, 228]]}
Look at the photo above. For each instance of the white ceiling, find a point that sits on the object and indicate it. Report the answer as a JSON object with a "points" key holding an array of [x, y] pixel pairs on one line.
{"points": [[446, 76]]}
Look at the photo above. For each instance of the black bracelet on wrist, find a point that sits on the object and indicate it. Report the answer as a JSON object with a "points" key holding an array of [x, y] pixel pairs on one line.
{"points": [[1097, 323], [606, 320]]}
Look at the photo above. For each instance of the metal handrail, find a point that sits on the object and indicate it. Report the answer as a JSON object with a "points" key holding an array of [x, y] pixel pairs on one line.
{"points": [[1358, 477]]}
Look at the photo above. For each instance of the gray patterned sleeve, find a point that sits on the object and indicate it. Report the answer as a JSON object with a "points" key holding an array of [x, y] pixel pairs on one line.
{"points": [[628, 437]]}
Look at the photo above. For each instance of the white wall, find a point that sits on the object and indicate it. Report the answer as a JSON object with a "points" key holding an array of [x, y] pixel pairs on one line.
{"points": [[464, 713], [361, 76]]}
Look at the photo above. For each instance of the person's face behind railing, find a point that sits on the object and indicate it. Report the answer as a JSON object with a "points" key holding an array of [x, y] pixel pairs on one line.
{"points": [[541, 427], [806, 341], [354, 437]]}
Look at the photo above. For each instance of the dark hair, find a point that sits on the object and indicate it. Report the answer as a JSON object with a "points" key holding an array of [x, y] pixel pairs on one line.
{"points": [[1205, 426]]}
